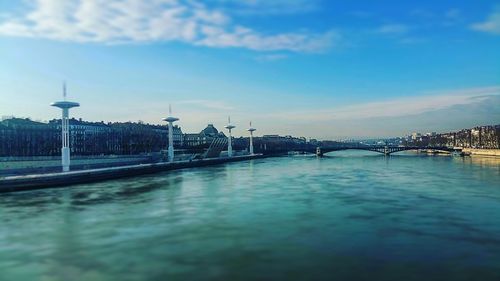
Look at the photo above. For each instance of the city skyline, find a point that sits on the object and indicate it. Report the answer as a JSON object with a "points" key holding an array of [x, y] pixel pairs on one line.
{"points": [[306, 68]]}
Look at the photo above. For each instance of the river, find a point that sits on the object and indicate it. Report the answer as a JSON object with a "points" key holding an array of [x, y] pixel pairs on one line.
{"points": [[347, 216]]}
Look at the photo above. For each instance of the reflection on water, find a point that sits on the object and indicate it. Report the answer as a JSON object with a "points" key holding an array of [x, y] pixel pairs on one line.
{"points": [[483, 161], [351, 216]]}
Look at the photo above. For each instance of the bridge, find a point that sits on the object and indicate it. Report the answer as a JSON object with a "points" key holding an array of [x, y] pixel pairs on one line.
{"points": [[383, 149]]}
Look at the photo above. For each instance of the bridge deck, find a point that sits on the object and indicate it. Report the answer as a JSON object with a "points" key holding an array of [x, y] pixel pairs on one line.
{"points": [[380, 148]]}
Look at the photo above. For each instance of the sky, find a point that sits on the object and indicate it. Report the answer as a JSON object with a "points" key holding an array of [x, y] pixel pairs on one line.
{"points": [[315, 68]]}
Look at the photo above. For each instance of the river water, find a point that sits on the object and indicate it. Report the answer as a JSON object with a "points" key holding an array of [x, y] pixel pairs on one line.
{"points": [[349, 216]]}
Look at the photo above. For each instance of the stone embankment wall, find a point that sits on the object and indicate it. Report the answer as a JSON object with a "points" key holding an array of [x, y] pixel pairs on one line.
{"points": [[483, 152]]}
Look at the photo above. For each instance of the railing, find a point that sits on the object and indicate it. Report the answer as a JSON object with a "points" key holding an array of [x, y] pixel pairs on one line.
{"points": [[377, 148], [54, 158]]}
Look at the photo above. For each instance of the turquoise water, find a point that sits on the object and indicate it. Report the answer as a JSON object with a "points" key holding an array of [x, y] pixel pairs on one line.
{"points": [[350, 216]]}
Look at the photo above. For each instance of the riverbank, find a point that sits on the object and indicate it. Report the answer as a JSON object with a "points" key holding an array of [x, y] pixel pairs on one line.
{"points": [[482, 152], [47, 180], [18, 166]]}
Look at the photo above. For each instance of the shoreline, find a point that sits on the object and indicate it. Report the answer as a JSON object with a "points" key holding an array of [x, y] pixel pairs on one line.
{"points": [[60, 179], [482, 152], [466, 152], [16, 183]]}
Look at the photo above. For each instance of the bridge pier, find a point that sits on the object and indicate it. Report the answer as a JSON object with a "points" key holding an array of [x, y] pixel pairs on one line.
{"points": [[319, 153]]}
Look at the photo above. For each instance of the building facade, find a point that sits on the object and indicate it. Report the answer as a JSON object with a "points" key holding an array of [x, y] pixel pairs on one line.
{"points": [[24, 137], [203, 138], [485, 137]]}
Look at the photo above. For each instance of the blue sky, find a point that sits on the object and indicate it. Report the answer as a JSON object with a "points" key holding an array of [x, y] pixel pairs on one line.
{"points": [[314, 68]]}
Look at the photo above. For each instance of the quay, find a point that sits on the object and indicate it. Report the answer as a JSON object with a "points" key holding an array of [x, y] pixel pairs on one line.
{"points": [[48, 180], [482, 152], [67, 177]]}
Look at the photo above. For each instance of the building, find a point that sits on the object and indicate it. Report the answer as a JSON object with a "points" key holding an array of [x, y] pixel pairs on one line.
{"points": [[487, 137], [203, 138], [277, 143], [24, 137]]}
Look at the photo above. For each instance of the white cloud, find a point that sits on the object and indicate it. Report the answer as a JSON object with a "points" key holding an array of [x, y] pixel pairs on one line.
{"points": [[271, 57], [244, 37], [453, 14], [269, 7], [422, 13], [452, 17], [429, 101], [115, 21], [362, 14], [491, 25], [393, 29]]}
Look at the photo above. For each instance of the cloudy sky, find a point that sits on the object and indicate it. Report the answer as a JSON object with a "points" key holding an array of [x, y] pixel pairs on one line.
{"points": [[314, 68]]}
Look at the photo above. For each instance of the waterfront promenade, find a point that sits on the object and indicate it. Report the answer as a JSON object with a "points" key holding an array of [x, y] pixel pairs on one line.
{"points": [[35, 181]]}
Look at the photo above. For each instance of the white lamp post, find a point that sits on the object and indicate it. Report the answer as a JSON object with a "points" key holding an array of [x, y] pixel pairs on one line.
{"points": [[229, 127], [65, 150], [251, 130], [170, 121]]}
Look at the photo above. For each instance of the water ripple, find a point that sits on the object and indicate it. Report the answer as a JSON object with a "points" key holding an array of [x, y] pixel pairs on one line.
{"points": [[293, 218]]}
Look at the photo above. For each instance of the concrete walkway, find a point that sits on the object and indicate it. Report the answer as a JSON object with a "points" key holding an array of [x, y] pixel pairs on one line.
{"points": [[48, 180]]}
